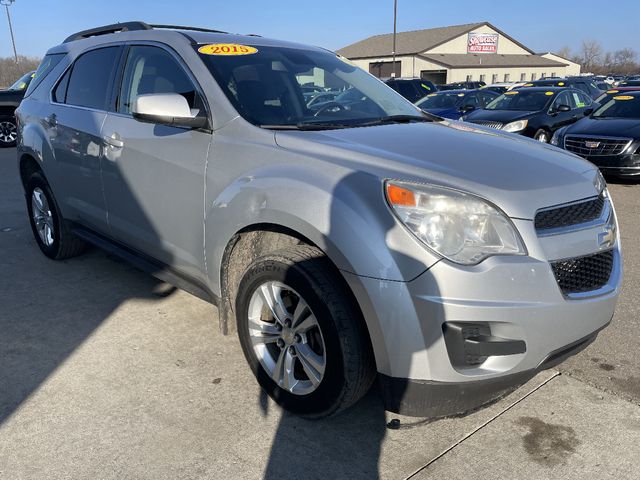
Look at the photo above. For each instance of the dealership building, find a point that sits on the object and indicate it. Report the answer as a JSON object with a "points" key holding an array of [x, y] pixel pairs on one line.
{"points": [[472, 52]]}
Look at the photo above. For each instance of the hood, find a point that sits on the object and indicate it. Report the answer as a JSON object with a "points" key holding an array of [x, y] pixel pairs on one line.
{"points": [[517, 174], [502, 116], [450, 113], [610, 127]]}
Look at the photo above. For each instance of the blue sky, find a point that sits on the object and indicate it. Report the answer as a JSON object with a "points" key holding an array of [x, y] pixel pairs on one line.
{"points": [[541, 25]]}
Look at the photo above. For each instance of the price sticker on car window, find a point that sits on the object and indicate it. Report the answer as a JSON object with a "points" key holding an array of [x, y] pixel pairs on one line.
{"points": [[623, 97], [548, 94], [513, 92], [612, 91], [561, 84], [528, 85], [227, 49]]}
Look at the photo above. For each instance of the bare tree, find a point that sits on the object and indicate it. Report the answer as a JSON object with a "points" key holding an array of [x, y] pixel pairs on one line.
{"points": [[625, 60], [591, 53], [565, 52], [10, 71]]}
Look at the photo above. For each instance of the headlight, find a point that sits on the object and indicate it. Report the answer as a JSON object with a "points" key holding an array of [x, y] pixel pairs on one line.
{"points": [[516, 126], [556, 139], [459, 226]]}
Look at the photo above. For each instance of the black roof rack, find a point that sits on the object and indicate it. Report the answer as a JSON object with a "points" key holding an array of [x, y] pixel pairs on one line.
{"points": [[116, 27], [129, 27], [194, 29]]}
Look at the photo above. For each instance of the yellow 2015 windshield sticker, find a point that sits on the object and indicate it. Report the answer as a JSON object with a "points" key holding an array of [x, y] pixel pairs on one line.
{"points": [[512, 92], [561, 84], [623, 97], [528, 85], [612, 91], [227, 49]]}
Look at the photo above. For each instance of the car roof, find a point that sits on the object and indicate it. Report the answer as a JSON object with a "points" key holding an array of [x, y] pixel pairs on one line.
{"points": [[167, 33], [550, 88]]}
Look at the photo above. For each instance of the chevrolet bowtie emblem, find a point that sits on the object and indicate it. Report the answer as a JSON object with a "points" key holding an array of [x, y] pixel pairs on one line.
{"points": [[607, 238], [590, 144]]}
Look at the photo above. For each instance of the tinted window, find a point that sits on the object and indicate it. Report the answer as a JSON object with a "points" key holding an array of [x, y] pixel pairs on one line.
{"points": [[153, 70], [91, 77], [564, 98], [47, 64], [23, 82], [407, 90], [440, 100], [60, 92], [521, 100], [620, 106]]}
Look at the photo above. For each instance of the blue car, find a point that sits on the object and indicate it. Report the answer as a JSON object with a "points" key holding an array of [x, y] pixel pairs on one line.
{"points": [[453, 104]]}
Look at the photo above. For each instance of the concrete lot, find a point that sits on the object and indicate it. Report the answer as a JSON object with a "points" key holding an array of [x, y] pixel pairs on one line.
{"points": [[106, 373]]}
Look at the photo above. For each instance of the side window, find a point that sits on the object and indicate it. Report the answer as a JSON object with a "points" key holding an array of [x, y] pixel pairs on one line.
{"points": [[582, 86], [470, 101], [485, 99], [582, 99], [47, 64], [88, 84], [153, 70], [563, 98], [60, 92]]}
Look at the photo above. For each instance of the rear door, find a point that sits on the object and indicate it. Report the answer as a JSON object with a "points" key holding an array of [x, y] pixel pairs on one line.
{"points": [[74, 122], [153, 175]]}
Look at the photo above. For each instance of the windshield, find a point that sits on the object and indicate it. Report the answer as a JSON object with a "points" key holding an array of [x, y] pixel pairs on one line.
{"points": [[620, 106], [440, 100], [267, 86], [521, 100], [22, 83]]}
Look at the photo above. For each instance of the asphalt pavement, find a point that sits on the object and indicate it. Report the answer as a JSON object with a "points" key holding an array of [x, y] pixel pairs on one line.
{"points": [[107, 373]]}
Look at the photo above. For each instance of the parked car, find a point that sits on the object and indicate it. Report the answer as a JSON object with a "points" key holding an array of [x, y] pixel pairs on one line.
{"points": [[343, 244], [609, 137], [499, 87], [603, 86], [630, 83], [413, 89], [463, 86], [453, 104], [602, 99], [585, 84], [534, 111], [9, 101]]}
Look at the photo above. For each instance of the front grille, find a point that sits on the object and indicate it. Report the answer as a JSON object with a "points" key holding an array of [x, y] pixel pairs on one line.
{"points": [[569, 215], [595, 147], [496, 125], [583, 274]]}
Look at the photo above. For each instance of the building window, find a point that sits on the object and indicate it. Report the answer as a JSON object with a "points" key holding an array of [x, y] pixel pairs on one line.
{"points": [[543, 75], [494, 78], [506, 77], [469, 78], [523, 77], [533, 77], [385, 69], [553, 74], [482, 77]]}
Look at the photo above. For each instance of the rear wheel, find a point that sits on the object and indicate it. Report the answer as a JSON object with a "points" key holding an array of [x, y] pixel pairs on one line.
{"points": [[8, 131], [542, 136], [302, 334], [50, 230]]}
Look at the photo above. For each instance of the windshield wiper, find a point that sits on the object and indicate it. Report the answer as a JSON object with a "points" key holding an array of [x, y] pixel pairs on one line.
{"points": [[400, 119], [306, 126]]}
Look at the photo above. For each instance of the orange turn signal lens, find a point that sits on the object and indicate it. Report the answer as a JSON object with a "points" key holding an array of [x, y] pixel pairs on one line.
{"points": [[400, 196]]}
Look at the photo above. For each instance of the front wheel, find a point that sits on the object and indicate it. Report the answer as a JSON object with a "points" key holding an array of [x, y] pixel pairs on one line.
{"points": [[8, 132], [302, 334], [542, 136]]}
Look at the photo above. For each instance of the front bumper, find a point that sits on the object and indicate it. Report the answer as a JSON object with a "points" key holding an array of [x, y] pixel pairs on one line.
{"points": [[619, 165], [514, 298]]}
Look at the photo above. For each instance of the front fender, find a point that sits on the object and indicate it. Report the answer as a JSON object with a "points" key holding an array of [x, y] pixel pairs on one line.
{"points": [[344, 214]]}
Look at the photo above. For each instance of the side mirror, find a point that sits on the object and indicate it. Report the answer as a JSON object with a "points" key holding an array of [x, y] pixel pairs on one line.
{"points": [[588, 111], [467, 108], [166, 109], [563, 108]]}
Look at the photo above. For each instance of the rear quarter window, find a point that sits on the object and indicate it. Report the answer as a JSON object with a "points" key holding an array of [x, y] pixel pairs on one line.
{"points": [[90, 78], [46, 65]]}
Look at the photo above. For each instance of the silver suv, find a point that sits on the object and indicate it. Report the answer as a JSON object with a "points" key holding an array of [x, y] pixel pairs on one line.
{"points": [[345, 239]]}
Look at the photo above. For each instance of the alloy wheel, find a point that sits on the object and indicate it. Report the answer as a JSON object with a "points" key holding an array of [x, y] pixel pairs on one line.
{"points": [[42, 216], [286, 338], [8, 132]]}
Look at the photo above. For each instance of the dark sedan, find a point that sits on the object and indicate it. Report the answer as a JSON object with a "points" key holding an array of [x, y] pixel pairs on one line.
{"points": [[453, 104], [533, 112], [610, 137]]}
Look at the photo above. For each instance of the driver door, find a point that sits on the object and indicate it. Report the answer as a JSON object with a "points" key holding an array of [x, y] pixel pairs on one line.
{"points": [[153, 175]]}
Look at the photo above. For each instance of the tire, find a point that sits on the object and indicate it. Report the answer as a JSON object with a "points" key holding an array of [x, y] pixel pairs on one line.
{"points": [[348, 368], [542, 136], [8, 131], [50, 230]]}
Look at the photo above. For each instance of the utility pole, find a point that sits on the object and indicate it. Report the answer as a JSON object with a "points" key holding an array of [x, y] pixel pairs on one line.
{"points": [[395, 17], [6, 4]]}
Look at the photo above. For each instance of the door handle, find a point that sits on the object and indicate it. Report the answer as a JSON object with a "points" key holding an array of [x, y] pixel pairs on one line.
{"points": [[114, 140]]}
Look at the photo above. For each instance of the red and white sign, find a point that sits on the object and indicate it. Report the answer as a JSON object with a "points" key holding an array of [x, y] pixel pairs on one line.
{"points": [[482, 43]]}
